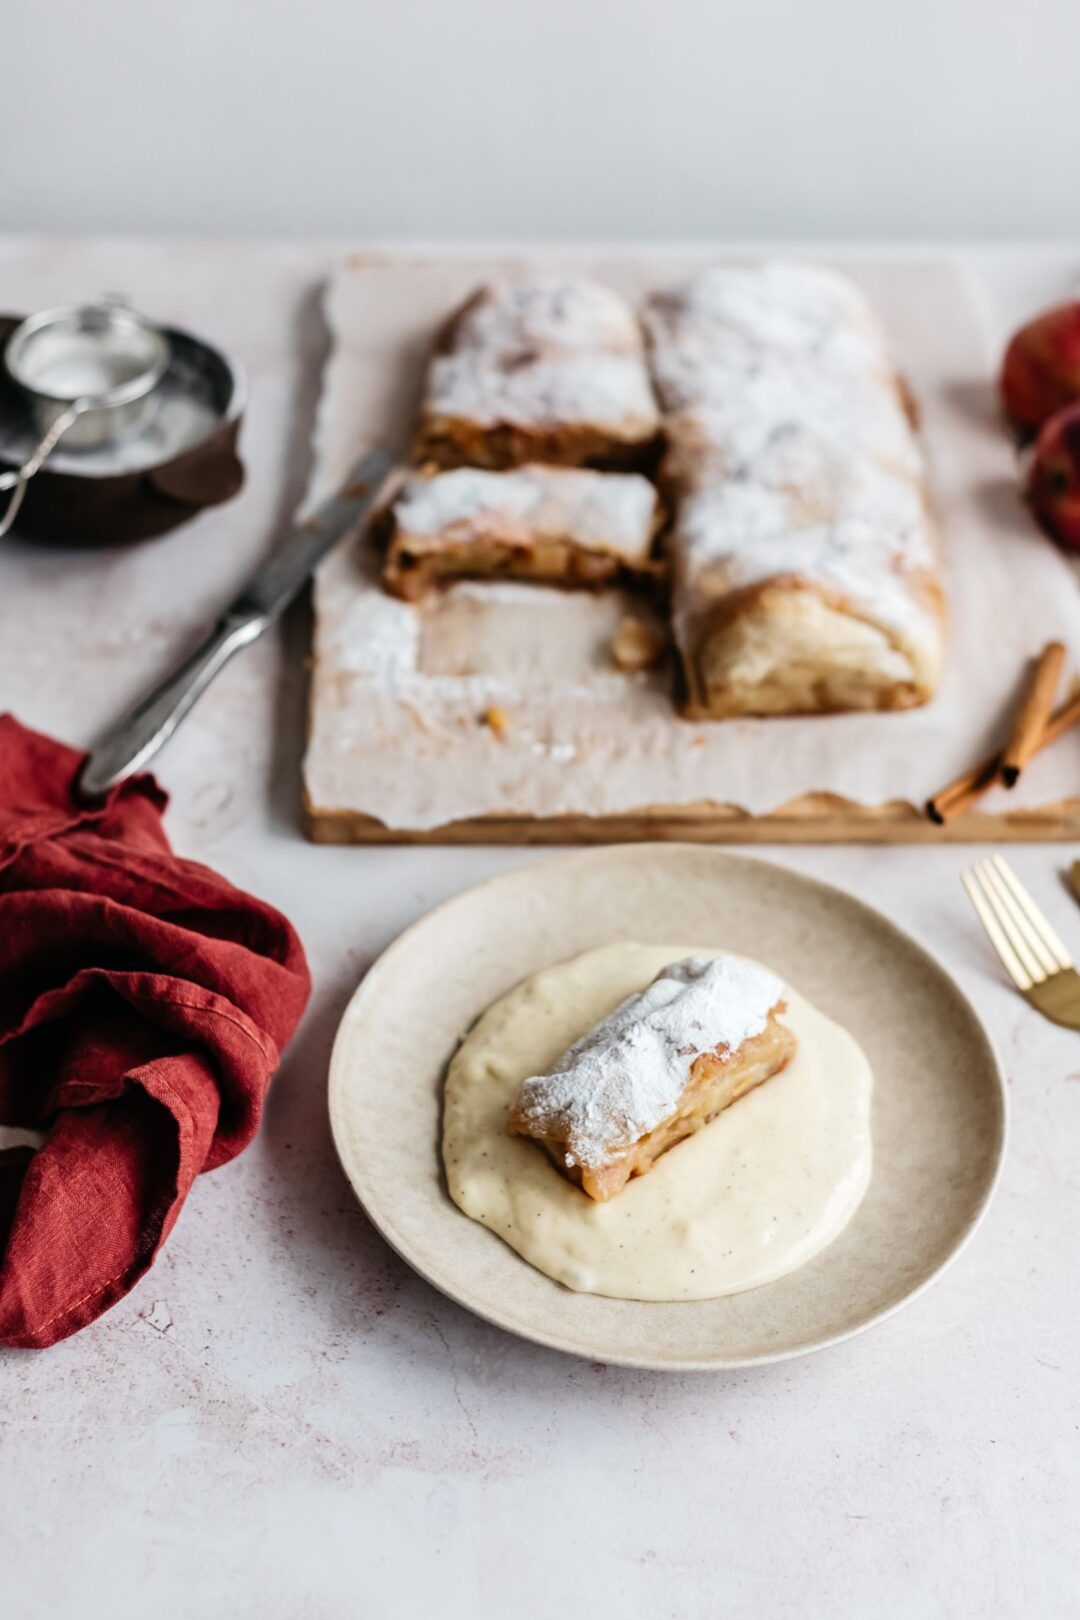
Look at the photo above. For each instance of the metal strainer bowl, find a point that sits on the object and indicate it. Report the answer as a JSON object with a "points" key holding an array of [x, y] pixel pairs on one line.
{"points": [[90, 373]]}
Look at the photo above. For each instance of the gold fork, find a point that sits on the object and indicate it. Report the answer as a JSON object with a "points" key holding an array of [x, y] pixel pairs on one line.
{"points": [[1031, 952]]}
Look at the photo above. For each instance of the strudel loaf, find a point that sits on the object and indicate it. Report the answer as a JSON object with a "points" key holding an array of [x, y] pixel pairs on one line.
{"points": [[657, 1069], [805, 566]]}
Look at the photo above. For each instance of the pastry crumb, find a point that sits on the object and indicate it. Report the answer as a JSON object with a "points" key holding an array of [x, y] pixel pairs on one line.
{"points": [[636, 646], [496, 719]]}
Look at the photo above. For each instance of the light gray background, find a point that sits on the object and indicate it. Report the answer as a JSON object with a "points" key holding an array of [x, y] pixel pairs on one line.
{"points": [[543, 118]]}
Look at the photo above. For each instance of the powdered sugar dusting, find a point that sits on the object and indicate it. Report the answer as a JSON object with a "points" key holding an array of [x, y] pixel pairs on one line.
{"points": [[752, 360], [542, 352], [784, 423], [380, 639], [736, 312], [791, 448], [609, 391], [548, 312], [626, 1075]]}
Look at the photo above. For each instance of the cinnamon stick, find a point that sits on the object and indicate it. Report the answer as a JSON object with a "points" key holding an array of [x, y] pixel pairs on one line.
{"points": [[964, 791], [974, 783], [1035, 710]]}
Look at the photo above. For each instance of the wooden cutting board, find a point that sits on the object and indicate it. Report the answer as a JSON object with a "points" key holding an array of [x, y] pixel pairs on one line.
{"points": [[817, 818], [401, 745]]}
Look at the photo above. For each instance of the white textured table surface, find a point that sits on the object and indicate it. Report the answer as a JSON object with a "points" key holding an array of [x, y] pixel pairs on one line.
{"points": [[281, 1420]]}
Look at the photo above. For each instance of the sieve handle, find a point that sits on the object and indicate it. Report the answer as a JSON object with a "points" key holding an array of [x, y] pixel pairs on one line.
{"points": [[18, 479]]}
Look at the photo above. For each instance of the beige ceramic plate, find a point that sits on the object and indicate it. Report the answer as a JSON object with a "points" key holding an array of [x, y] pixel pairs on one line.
{"points": [[939, 1100]]}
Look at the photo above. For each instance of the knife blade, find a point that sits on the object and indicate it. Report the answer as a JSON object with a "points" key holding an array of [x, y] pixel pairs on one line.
{"points": [[273, 586], [136, 738]]}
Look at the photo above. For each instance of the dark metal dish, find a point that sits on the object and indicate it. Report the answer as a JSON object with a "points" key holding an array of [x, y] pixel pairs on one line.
{"points": [[180, 459]]}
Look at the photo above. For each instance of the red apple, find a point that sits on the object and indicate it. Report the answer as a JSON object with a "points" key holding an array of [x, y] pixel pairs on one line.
{"points": [[1054, 478], [1041, 370]]}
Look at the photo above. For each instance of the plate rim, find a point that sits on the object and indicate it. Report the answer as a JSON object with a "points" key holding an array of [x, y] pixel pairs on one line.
{"points": [[552, 1340]]}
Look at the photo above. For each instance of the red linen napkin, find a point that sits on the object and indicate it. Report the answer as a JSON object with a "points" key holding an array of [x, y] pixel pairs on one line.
{"points": [[144, 1003]]}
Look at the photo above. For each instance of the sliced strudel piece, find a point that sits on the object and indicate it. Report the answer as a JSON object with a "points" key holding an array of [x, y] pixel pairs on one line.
{"points": [[561, 525], [657, 1069], [546, 369]]}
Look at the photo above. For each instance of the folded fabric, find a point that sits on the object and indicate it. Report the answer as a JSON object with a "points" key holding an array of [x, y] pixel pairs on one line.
{"points": [[144, 1005]]}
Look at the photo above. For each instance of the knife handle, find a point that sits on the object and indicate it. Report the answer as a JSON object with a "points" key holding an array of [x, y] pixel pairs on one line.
{"points": [[137, 737]]}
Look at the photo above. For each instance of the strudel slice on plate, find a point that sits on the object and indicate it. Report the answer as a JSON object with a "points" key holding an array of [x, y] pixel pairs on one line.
{"points": [[805, 564], [546, 368], [657, 1069], [561, 525]]}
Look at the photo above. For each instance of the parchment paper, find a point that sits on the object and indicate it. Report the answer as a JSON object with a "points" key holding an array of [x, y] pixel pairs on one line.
{"points": [[414, 747]]}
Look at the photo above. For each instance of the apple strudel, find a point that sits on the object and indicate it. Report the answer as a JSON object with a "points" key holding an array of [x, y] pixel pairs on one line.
{"points": [[560, 525], [805, 567], [657, 1069], [547, 369]]}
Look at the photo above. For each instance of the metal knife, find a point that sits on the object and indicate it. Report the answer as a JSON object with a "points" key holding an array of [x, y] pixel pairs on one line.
{"points": [[137, 737]]}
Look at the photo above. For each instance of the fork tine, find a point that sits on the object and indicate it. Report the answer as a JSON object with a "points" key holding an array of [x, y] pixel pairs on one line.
{"points": [[1009, 912], [1009, 959], [1037, 919], [1019, 944]]}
